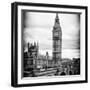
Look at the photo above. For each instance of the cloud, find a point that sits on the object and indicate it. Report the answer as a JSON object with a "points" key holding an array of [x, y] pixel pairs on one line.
{"points": [[40, 20], [70, 44], [39, 26]]}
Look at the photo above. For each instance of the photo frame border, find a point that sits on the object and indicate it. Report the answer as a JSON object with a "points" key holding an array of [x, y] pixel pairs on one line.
{"points": [[14, 43]]}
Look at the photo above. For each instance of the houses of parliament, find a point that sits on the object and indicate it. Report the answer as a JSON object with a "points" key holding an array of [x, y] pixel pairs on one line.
{"points": [[35, 64]]}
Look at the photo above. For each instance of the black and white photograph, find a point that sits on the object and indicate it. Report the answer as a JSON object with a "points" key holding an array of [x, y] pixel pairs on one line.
{"points": [[49, 44]]}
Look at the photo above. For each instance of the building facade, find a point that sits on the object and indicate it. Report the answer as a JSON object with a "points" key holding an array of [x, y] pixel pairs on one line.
{"points": [[57, 41], [30, 57]]}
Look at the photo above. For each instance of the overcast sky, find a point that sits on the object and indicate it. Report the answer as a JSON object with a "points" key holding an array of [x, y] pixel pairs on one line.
{"points": [[39, 26]]}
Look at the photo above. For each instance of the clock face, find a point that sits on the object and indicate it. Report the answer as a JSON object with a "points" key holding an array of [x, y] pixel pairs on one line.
{"points": [[55, 33]]}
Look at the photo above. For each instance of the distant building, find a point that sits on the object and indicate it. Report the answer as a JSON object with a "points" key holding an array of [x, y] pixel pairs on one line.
{"points": [[76, 66], [70, 67], [44, 61], [57, 41]]}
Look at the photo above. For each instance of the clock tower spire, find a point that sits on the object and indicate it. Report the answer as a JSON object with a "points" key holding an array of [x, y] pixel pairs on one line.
{"points": [[57, 41]]}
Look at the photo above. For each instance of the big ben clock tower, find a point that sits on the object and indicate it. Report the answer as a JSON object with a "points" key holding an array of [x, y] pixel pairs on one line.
{"points": [[57, 41]]}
